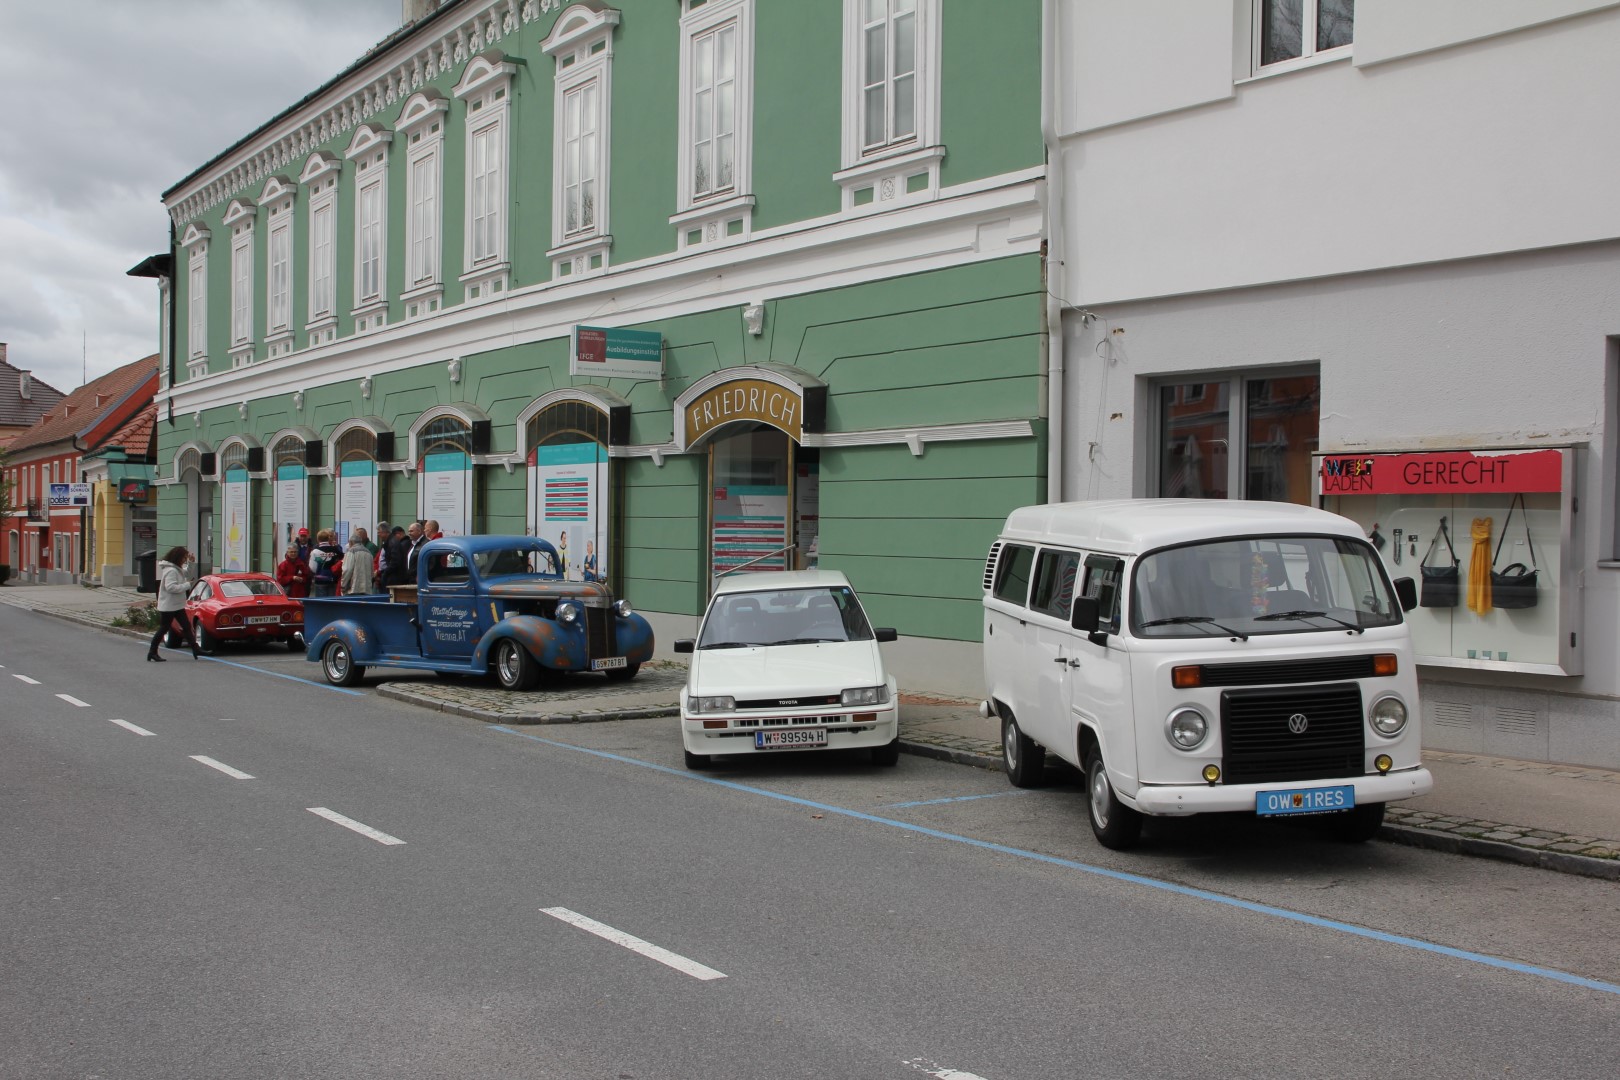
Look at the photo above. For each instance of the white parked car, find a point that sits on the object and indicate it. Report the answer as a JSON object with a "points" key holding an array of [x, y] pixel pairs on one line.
{"points": [[787, 661]]}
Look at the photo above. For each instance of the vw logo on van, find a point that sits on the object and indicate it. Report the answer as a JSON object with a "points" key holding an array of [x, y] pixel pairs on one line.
{"points": [[1298, 723]]}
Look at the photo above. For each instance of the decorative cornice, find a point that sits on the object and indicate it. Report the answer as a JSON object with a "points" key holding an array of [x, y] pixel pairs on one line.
{"points": [[408, 66]]}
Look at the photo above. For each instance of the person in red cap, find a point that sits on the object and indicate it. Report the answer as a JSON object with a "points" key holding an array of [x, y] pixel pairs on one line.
{"points": [[305, 545]]}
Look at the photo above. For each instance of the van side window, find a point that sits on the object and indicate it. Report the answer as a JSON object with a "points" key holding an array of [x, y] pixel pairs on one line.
{"points": [[1012, 574], [1055, 577], [1102, 584]]}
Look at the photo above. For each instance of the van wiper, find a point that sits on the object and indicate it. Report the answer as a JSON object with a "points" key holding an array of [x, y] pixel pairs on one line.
{"points": [[1180, 620], [730, 645], [1352, 627]]}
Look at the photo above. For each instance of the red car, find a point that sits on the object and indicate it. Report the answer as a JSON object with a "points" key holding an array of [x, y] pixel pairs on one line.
{"points": [[243, 607]]}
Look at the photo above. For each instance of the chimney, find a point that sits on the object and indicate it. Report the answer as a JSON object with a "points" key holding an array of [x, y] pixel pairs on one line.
{"points": [[25, 383], [2, 352], [417, 9]]}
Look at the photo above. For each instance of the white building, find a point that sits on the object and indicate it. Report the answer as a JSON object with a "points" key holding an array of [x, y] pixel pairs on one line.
{"points": [[1378, 241]]}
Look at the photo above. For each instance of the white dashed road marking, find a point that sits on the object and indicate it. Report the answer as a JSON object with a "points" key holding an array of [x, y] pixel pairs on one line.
{"points": [[127, 726], [71, 700], [237, 774], [26, 679], [635, 944], [349, 823], [940, 1072]]}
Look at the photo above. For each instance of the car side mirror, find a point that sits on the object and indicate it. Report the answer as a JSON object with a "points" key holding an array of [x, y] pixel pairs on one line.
{"points": [[1086, 612], [684, 644], [1406, 592], [885, 633]]}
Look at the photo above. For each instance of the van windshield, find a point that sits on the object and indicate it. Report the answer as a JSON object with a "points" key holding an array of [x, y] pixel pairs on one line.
{"points": [[1261, 585]]}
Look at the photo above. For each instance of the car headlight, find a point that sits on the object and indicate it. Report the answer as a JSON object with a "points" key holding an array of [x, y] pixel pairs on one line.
{"points": [[713, 703], [1186, 729], [865, 695], [567, 613], [1388, 715], [622, 609]]}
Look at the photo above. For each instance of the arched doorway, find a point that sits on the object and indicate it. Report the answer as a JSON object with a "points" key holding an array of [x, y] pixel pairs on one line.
{"points": [[354, 471], [444, 484], [236, 509], [292, 493], [188, 469], [570, 499]]}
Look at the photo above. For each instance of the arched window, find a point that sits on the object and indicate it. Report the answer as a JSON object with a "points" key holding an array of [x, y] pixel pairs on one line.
{"points": [[568, 485], [356, 444], [446, 435], [445, 475], [355, 474], [236, 508], [292, 493], [567, 422]]}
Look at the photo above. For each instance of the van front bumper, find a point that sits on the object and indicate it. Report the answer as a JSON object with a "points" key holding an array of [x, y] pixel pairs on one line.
{"points": [[1179, 800]]}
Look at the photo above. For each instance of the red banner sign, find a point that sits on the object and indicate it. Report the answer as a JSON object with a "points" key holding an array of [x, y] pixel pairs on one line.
{"points": [[1444, 473]]}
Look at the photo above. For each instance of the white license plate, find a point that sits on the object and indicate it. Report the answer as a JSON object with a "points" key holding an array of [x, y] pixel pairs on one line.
{"points": [[1314, 800], [804, 738], [607, 663], [260, 620]]}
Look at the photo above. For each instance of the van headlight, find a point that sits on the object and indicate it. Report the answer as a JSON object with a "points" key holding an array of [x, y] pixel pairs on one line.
{"points": [[864, 695], [714, 703], [1186, 729], [567, 613], [1388, 716]]}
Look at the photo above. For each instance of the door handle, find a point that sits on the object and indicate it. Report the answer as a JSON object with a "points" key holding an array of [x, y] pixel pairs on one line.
{"points": [[1065, 660]]}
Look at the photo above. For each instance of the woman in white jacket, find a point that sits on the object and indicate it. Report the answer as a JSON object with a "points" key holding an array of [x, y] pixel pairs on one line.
{"points": [[172, 587]]}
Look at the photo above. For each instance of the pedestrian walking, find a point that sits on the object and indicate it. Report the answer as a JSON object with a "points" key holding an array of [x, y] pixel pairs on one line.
{"points": [[172, 587], [324, 564], [356, 578], [292, 573]]}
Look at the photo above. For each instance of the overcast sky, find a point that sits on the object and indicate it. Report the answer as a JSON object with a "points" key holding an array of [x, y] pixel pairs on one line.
{"points": [[109, 103]]}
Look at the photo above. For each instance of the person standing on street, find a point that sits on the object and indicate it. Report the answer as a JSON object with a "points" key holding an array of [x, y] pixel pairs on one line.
{"points": [[323, 564], [172, 587], [397, 552], [418, 537], [357, 577], [293, 574]]}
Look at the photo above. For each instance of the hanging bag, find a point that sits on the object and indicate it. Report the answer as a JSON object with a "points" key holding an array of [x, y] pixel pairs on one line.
{"points": [[1439, 582], [1515, 586]]}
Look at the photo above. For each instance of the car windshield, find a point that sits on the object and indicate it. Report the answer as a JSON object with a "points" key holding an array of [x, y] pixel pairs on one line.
{"points": [[498, 561], [1261, 585], [785, 617], [235, 590]]}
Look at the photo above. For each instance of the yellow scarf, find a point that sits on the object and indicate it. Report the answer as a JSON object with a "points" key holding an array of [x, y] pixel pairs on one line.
{"points": [[1479, 568]]}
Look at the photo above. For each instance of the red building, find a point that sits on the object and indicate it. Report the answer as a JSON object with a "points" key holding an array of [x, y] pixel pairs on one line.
{"points": [[41, 541]]}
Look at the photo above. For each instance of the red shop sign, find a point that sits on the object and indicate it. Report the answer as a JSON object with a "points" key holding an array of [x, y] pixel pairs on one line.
{"points": [[1456, 472]]}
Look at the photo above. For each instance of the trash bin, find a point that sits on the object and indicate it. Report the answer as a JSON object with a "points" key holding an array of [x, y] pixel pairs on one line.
{"points": [[146, 565]]}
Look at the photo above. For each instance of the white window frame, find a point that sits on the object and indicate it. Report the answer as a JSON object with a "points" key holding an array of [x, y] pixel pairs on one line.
{"points": [[421, 125], [276, 201], [320, 176], [369, 152], [195, 241], [1309, 55], [240, 218], [724, 214], [897, 171], [581, 44], [485, 90]]}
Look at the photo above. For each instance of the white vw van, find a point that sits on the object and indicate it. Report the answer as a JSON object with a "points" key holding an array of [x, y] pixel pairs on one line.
{"points": [[1193, 655]]}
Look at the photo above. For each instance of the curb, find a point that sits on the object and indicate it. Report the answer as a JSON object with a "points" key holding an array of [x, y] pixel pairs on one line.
{"points": [[1559, 861], [597, 716]]}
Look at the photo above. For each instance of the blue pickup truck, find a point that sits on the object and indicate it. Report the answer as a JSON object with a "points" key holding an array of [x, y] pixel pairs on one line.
{"points": [[481, 605]]}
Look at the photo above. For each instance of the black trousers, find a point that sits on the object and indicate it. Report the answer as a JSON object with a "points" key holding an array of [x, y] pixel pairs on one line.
{"points": [[177, 620]]}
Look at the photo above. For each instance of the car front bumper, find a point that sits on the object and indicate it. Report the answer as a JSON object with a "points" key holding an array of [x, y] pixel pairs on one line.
{"points": [[738, 736], [1178, 800]]}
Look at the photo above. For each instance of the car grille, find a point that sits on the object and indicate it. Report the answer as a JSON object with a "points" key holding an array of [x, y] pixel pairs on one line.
{"points": [[1272, 672], [600, 636], [1261, 747], [788, 721], [790, 703]]}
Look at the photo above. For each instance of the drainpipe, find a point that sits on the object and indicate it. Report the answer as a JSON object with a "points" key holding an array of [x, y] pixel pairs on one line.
{"points": [[1053, 270]]}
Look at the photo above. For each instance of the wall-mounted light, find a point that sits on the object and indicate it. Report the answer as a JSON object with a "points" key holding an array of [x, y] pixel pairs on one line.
{"points": [[754, 319]]}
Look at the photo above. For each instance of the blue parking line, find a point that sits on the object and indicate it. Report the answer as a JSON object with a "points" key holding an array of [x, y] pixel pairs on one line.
{"points": [[279, 675], [959, 798], [1483, 959]]}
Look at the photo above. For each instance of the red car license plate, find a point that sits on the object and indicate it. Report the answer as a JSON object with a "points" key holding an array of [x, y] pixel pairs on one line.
{"points": [[260, 620]]}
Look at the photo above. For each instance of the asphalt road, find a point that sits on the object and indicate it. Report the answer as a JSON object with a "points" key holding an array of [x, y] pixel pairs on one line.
{"points": [[226, 869]]}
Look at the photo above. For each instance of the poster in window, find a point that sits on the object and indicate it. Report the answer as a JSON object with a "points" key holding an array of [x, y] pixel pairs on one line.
{"points": [[238, 519], [357, 498], [750, 526], [446, 491], [568, 505], [292, 505]]}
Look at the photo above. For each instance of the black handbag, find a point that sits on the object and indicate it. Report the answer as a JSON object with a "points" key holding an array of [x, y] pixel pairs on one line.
{"points": [[1440, 583], [1515, 586]]}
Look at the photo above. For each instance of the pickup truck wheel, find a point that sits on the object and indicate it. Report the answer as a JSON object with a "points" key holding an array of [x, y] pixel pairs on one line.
{"points": [[1023, 757], [696, 761], [1116, 825], [338, 665], [1359, 825], [623, 674], [514, 668], [207, 644]]}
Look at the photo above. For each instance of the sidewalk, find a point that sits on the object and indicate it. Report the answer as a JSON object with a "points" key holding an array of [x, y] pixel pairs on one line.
{"points": [[1558, 817]]}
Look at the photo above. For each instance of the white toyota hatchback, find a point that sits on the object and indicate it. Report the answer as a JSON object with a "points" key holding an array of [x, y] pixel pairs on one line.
{"points": [[787, 661]]}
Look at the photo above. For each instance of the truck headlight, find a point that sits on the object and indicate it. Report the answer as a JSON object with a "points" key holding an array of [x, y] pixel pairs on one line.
{"points": [[567, 613], [864, 695], [1186, 729], [713, 703], [622, 609], [1388, 715]]}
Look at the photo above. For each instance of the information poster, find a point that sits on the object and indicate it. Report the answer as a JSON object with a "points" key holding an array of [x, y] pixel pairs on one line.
{"points": [[445, 491], [357, 498], [568, 506], [238, 519], [292, 506], [807, 512], [750, 523]]}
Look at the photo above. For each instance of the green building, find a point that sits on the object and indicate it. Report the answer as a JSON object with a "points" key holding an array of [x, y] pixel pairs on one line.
{"points": [[679, 284]]}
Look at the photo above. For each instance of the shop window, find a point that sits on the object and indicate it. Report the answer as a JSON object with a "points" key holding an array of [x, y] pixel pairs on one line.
{"points": [[1287, 32], [1242, 436]]}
